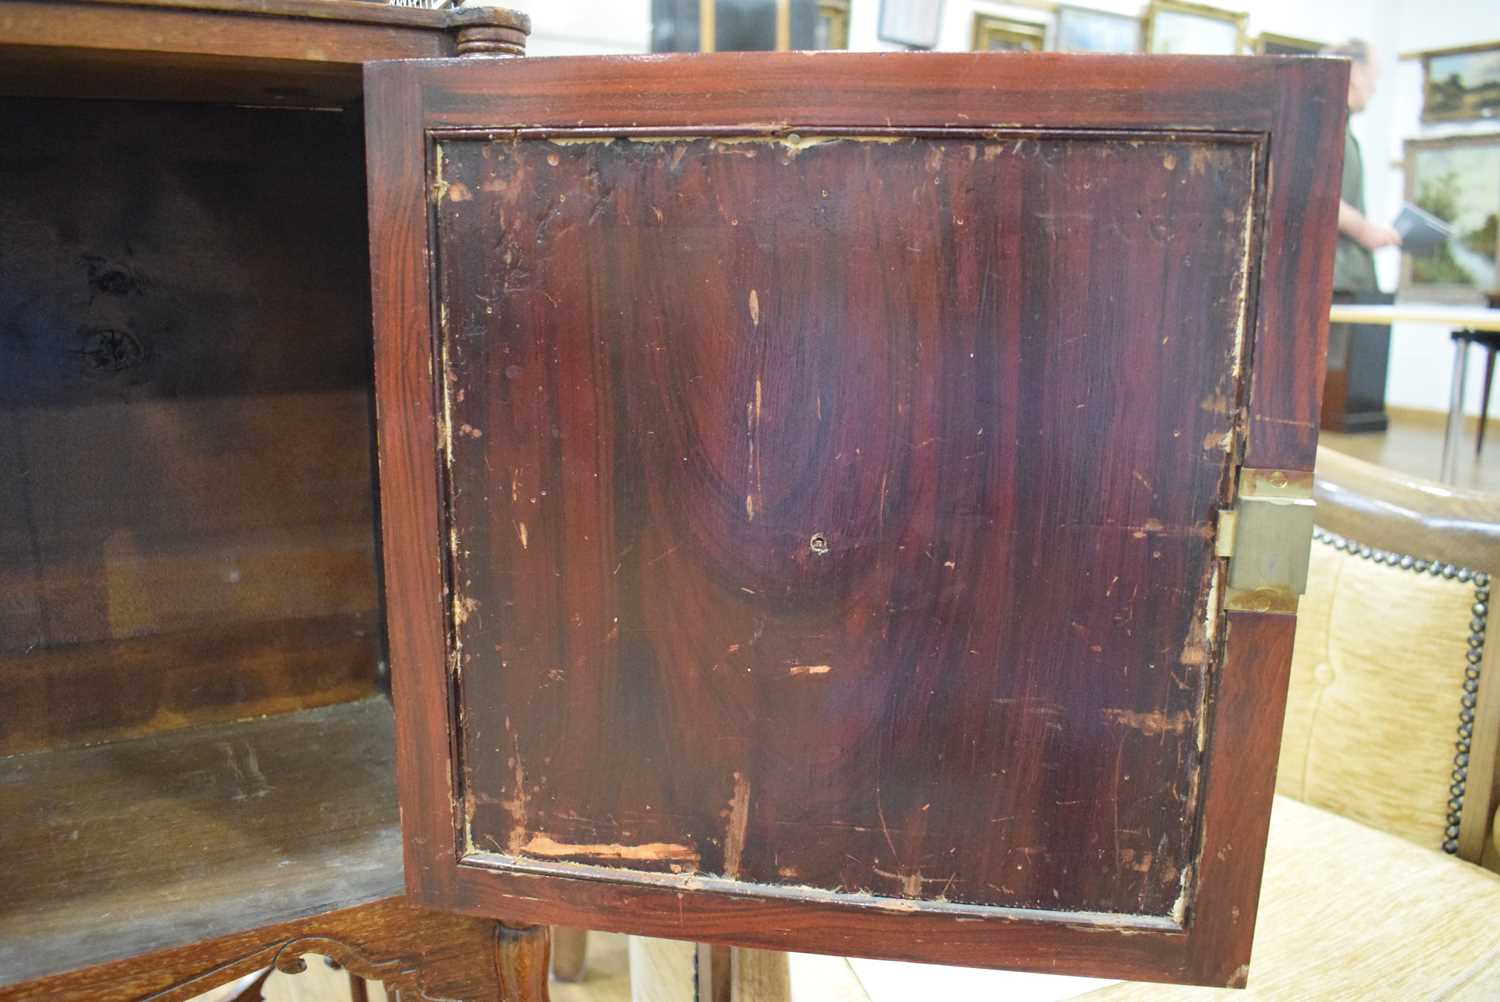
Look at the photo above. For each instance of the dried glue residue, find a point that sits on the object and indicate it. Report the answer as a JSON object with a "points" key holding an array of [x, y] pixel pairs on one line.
{"points": [[518, 806], [795, 142], [439, 185], [1151, 723], [677, 856], [796, 670], [734, 830]]}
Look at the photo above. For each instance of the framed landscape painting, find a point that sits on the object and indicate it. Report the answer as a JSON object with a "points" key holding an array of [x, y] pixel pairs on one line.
{"points": [[1080, 29], [1005, 34], [1269, 44], [1456, 179], [913, 23], [831, 28], [1461, 84], [1173, 27]]}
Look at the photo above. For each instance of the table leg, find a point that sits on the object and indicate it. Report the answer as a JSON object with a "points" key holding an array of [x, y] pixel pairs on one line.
{"points": [[1484, 398], [570, 949], [523, 958], [1455, 412]]}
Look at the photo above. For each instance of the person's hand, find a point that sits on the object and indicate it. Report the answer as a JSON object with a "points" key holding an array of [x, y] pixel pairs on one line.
{"points": [[1375, 236]]}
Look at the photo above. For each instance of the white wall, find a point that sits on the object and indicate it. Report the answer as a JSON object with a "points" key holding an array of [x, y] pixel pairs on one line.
{"points": [[583, 27], [1420, 357]]}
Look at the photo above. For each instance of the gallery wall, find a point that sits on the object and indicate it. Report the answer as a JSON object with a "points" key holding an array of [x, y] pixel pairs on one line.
{"points": [[584, 27], [1420, 357]]}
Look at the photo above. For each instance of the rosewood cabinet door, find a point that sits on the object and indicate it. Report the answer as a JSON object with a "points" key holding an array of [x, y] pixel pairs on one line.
{"points": [[801, 486]]}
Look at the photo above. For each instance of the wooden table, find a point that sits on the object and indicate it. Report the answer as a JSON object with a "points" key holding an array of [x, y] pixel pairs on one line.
{"points": [[1472, 318], [1455, 318]]}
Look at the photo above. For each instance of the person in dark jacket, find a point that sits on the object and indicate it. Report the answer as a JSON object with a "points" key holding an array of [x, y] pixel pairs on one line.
{"points": [[1359, 235]]}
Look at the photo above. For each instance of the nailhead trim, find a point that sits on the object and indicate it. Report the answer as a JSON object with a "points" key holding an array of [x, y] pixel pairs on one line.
{"points": [[1473, 658]]}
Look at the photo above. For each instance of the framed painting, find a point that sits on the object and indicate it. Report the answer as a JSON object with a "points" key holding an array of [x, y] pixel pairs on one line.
{"points": [[1270, 44], [1457, 179], [831, 28], [913, 23], [1005, 34], [1179, 28], [1461, 84], [1082, 29]]}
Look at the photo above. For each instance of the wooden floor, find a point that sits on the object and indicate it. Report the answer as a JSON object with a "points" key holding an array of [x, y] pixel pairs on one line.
{"points": [[1414, 444], [607, 974]]}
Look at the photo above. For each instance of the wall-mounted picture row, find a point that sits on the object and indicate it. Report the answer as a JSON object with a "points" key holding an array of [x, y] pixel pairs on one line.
{"points": [[1162, 26], [1166, 26]]}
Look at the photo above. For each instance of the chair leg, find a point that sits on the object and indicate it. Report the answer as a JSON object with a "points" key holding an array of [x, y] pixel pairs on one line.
{"points": [[1484, 399], [712, 974], [759, 976]]}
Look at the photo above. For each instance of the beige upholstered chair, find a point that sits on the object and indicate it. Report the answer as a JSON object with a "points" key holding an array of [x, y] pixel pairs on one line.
{"points": [[1387, 721], [1392, 722]]}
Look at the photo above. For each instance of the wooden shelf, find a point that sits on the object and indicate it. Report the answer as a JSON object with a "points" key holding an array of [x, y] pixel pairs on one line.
{"points": [[114, 850]]}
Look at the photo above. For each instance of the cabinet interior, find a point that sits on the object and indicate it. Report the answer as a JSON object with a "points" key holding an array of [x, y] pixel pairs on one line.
{"points": [[191, 628]]}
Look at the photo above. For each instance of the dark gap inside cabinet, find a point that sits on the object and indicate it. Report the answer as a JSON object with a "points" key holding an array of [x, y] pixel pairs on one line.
{"points": [[193, 733]]}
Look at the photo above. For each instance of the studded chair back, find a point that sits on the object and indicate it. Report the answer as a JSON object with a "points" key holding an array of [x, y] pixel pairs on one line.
{"points": [[1394, 710]]}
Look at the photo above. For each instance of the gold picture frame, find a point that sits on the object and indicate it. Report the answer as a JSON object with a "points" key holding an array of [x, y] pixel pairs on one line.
{"points": [[832, 28], [992, 33], [1448, 97], [1176, 26], [1457, 179], [1083, 29], [1269, 43]]}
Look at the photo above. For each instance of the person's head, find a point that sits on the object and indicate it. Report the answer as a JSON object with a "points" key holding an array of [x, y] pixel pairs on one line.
{"points": [[1364, 72]]}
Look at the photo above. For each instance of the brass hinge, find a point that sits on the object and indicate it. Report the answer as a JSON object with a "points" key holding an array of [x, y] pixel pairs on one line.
{"points": [[1267, 537]]}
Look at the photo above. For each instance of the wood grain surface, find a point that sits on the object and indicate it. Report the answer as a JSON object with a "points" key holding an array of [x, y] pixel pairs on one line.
{"points": [[879, 570], [1404, 513], [786, 491], [523, 960], [273, 53], [412, 950]]}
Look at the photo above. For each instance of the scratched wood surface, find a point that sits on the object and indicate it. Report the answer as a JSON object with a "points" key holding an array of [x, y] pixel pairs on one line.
{"points": [[722, 628], [272, 53], [840, 514]]}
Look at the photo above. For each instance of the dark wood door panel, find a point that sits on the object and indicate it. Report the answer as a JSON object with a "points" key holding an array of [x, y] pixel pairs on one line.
{"points": [[859, 493], [804, 534]]}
